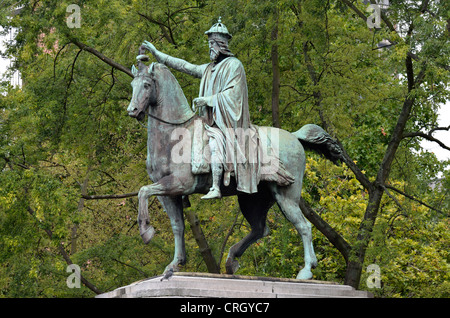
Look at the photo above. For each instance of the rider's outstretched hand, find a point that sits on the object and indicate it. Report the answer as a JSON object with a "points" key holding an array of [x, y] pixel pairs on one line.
{"points": [[149, 46]]}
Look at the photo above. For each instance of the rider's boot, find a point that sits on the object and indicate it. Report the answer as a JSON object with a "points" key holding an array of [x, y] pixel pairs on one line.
{"points": [[214, 191], [226, 178]]}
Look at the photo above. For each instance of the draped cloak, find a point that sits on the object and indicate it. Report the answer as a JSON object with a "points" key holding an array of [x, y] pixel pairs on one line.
{"points": [[224, 86]]}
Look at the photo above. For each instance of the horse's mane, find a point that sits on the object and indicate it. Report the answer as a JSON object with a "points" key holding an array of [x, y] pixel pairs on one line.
{"points": [[169, 88], [161, 68]]}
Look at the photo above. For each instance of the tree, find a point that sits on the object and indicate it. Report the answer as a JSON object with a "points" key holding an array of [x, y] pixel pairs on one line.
{"points": [[416, 76], [72, 160]]}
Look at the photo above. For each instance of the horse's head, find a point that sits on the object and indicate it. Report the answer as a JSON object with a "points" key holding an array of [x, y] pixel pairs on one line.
{"points": [[144, 89], [157, 91]]}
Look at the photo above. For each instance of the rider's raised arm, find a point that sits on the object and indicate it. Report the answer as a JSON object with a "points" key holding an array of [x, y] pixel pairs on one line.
{"points": [[181, 65], [176, 63]]}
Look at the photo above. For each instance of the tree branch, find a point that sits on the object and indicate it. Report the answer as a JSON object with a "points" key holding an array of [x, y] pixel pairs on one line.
{"points": [[56, 58], [318, 103], [230, 232], [428, 137], [66, 257], [355, 9], [438, 128], [335, 238], [424, 6], [365, 182], [162, 26], [414, 199], [102, 57], [66, 94], [385, 19], [10, 163], [133, 267], [110, 196], [296, 90], [315, 79], [392, 27], [184, 9]]}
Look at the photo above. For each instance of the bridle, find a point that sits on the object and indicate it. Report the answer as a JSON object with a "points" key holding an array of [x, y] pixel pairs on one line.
{"points": [[175, 123]]}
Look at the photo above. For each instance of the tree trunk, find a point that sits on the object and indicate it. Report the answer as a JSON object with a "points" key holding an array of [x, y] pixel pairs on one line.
{"points": [[275, 75], [205, 250], [358, 253], [355, 264]]}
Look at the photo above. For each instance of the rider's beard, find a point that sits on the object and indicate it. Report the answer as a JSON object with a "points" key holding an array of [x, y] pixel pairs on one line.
{"points": [[213, 55]]}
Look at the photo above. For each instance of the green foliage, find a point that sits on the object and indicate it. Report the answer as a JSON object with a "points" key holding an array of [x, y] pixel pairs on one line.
{"points": [[66, 132], [409, 242]]}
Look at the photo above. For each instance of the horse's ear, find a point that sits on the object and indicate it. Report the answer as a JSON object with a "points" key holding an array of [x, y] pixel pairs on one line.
{"points": [[134, 70], [151, 67]]}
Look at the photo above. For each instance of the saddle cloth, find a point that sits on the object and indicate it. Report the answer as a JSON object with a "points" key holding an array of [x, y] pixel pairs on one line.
{"points": [[264, 153]]}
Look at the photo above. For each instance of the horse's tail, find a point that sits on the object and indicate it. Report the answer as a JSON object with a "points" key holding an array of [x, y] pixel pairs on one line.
{"points": [[315, 138]]}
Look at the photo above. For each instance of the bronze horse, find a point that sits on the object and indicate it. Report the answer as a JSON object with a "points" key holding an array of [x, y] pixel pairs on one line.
{"points": [[156, 93]]}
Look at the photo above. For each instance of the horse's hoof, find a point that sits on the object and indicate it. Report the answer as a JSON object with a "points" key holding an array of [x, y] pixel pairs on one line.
{"points": [[305, 274], [232, 266], [266, 231], [148, 235], [171, 268]]}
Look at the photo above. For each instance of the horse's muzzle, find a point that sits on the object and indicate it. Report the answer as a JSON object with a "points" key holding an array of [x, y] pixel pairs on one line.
{"points": [[139, 115], [136, 113]]}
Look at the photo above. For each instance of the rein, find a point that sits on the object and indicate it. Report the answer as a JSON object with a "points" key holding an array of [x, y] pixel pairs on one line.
{"points": [[167, 122], [172, 123], [177, 123]]}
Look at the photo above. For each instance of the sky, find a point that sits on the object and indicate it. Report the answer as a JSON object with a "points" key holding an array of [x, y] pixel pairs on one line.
{"points": [[443, 119], [442, 135]]}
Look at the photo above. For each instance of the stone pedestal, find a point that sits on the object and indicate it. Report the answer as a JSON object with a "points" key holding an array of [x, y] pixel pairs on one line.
{"points": [[204, 285]]}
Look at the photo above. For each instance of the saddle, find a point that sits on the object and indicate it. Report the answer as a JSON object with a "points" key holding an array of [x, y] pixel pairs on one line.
{"points": [[264, 154]]}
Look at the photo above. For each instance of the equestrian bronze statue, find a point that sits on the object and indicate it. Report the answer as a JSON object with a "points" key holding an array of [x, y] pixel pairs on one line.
{"points": [[214, 149]]}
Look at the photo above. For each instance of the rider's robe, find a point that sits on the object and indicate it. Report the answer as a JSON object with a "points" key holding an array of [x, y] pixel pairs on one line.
{"points": [[224, 86]]}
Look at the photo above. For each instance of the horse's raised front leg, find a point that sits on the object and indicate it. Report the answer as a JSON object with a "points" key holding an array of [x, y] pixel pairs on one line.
{"points": [[145, 229], [168, 185], [168, 190]]}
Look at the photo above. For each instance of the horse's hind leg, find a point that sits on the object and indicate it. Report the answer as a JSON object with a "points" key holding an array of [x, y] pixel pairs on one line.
{"points": [[254, 207], [289, 205]]}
